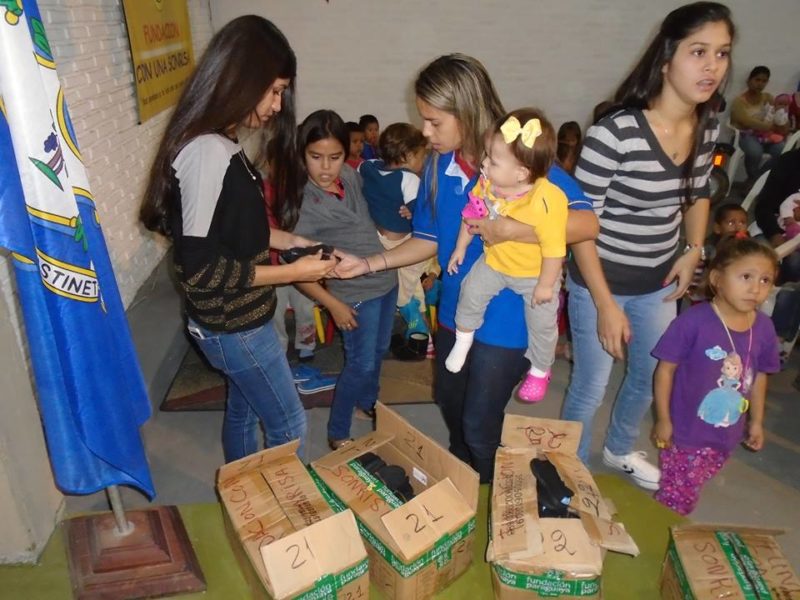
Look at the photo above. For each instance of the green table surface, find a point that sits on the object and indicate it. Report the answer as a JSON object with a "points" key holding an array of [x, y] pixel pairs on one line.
{"points": [[623, 576]]}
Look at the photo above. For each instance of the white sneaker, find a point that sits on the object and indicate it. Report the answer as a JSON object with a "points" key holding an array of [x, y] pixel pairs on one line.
{"points": [[634, 464]]}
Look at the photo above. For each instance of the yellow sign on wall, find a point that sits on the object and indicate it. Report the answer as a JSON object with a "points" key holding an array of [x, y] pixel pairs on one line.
{"points": [[161, 47]]}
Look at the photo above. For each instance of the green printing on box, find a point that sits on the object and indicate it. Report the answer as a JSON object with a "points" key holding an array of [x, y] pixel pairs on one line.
{"points": [[550, 584], [441, 551], [751, 583], [326, 587]]}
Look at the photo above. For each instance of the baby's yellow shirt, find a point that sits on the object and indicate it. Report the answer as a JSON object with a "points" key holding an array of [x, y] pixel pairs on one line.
{"points": [[544, 207]]}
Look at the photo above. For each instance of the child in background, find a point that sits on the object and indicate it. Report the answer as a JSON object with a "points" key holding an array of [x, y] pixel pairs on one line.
{"points": [[356, 144], [287, 296], [569, 145], [789, 216], [730, 220], [713, 365], [520, 149], [782, 104], [777, 114], [369, 125], [334, 212], [390, 184]]}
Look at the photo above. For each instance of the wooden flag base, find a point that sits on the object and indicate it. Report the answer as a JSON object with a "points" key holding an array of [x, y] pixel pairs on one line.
{"points": [[155, 559]]}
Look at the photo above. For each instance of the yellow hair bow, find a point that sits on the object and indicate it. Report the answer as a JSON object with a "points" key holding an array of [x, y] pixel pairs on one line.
{"points": [[512, 129]]}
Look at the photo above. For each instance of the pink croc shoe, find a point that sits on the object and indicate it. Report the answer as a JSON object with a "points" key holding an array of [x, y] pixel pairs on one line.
{"points": [[533, 388]]}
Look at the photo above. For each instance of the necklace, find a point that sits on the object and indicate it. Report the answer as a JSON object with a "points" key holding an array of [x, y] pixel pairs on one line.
{"points": [[669, 134], [746, 361], [246, 166]]}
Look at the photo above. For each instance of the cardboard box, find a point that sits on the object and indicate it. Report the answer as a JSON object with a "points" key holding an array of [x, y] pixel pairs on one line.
{"points": [[706, 562], [418, 547], [288, 541], [533, 557]]}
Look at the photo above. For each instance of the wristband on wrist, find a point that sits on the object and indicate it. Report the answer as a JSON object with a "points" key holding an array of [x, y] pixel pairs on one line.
{"points": [[366, 262], [690, 247], [385, 264]]}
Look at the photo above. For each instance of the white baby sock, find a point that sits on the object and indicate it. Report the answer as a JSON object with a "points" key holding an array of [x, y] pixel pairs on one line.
{"points": [[537, 372], [455, 360]]}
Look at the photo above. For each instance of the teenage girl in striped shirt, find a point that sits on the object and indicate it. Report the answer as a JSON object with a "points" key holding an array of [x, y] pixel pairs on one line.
{"points": [[645, 166]]}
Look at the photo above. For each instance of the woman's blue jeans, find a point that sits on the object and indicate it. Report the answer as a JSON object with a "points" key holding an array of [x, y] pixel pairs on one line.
{"points": [[649, 317], [364, 348], [473, 401], [754, 151], [260, 388], [786, 314]]}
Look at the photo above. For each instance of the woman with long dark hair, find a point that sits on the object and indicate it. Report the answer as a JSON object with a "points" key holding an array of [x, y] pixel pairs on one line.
{"points": [[206, 196], [645, 166]]}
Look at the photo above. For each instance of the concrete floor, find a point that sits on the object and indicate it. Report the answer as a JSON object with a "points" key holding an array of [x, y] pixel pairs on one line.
{"points": [[762, 488]]}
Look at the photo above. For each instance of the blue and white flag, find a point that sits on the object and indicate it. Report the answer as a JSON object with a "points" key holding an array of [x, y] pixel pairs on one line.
{"points": [[91, 394]]}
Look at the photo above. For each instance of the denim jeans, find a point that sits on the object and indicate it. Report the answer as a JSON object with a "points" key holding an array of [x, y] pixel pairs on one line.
{"points": [[786, 314], [364, 348], [260, 388], [790, 268], [473, 400], [754, 150], [649, 317]]}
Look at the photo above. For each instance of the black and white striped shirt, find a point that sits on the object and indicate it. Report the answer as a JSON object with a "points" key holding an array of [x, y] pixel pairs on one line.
{"points": [[636, 191]]}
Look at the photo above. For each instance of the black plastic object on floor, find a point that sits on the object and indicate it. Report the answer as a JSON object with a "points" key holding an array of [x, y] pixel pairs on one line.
{"points": [[412, 349], [554, 495]]}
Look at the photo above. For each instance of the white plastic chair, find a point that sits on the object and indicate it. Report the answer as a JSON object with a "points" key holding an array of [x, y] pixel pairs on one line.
{"points": [[754, 191], [738, 154], [791, 142]]}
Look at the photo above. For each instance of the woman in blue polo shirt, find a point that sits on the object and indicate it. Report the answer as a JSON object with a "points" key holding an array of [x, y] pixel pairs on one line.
{"points": [[457, 102]]}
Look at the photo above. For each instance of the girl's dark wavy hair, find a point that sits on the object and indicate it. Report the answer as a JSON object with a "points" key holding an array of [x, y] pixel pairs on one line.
{"points": [[645, 82], [242, 61], [320, 125], [731, 249]]}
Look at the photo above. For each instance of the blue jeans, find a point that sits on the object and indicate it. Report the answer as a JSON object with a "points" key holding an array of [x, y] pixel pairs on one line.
{"points": [[754, 150], [364, 348], [790, 268], [649, 317], [473, 401], [260, 387], [786, 314]]}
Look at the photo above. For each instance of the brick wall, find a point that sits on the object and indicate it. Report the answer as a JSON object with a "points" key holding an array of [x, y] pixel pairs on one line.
{"points": [[91, 49], [90, 46]]}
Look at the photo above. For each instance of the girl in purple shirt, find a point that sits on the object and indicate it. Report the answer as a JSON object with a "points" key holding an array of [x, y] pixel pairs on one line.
{"points": [[713, 361]]}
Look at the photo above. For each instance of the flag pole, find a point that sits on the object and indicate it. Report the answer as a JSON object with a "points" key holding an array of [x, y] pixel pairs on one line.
{"points": [[124, 527]]}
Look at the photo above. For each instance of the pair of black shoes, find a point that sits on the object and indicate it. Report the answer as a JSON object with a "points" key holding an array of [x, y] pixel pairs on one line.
{"points": [[554, 496], [393, 477], [412, 349]]}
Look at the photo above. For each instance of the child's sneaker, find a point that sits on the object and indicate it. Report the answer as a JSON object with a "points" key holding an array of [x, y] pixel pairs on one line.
{"points": [[533, 388], [636, 465], [303, 373], [320, 383]]}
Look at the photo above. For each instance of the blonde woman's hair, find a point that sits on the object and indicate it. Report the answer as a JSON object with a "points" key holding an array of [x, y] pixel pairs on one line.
{"points": [[460, 85]]}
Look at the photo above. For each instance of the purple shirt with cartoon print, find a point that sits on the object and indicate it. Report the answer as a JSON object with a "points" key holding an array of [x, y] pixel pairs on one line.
{"points": [[710, 386]]}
